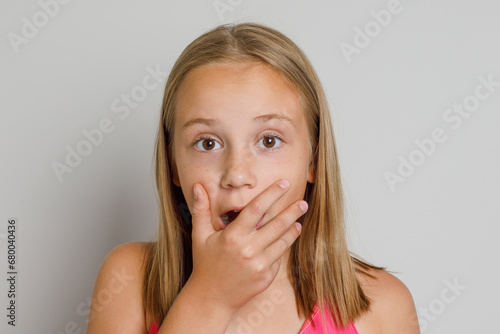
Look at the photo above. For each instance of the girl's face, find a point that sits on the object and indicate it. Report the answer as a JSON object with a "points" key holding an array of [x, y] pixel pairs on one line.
{"points": [[238, 129]]}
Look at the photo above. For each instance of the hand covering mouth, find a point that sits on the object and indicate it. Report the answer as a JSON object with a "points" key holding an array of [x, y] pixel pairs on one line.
{"points": [[229, 216]]}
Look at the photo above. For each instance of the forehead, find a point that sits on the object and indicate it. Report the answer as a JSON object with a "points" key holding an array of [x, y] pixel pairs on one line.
{"points": [[238, 89]]}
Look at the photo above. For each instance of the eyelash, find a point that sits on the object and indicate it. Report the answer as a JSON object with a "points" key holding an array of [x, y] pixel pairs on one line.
{"points": [[267, 135]]}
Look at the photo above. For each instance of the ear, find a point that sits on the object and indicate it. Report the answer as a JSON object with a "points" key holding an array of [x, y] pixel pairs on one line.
{"points": [[310, 173]]}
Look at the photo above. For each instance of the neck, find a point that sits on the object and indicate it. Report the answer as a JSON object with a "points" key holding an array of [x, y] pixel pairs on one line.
{"points": [[283, 271]]}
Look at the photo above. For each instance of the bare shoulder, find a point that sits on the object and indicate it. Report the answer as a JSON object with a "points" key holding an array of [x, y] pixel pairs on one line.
{"points": [[392, 308], [116, 305]]}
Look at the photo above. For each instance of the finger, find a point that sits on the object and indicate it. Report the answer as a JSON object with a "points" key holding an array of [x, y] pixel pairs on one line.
{"points": [[275, 267], [276, 250], [201, 216], [255, 210], [281, 223]]}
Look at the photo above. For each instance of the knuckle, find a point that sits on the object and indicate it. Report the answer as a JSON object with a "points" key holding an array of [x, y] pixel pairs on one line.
{"points": [[248, 252], [282, 245], [280, 225], [258, 267], [256, 208]]}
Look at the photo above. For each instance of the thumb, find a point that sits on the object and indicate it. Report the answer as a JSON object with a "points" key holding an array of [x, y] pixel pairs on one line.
{"points": [[201, 215]]}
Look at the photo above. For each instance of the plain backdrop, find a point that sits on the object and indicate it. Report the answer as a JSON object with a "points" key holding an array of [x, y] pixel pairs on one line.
{"points": [[391, 82]]}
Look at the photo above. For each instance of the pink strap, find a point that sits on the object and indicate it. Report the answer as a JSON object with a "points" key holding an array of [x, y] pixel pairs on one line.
{"points": [[309, 327], [316, 325], [154, 328]]}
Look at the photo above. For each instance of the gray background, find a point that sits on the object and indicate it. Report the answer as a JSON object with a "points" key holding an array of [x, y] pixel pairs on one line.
{"points": [[439, 227]]}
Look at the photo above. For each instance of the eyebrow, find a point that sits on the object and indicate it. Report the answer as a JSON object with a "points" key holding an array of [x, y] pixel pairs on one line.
{"points": [[261, 118], [268, 117]]}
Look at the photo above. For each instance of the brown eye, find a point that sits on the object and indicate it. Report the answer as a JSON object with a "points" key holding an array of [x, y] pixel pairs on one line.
{"points": [[270, 142], [208, 144]]}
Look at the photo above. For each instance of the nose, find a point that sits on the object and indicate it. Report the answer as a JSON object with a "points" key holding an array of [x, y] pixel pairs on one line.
{"points": [[239, 170]]}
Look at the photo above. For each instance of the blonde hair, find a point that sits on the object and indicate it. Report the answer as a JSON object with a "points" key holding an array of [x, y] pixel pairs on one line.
{"points": [[321, 268]]}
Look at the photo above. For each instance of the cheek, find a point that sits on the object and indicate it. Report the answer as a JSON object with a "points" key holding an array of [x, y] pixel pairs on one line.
{"points": [[189, 177], [297, 178]]}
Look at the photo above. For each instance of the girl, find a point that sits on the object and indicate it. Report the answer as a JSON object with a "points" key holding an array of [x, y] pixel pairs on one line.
{"points": [[251, 234]]}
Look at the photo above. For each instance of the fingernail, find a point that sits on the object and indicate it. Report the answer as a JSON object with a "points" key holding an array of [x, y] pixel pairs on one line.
{"points": [[195, 193], [284, 184], [303, 205], [298, 227]]}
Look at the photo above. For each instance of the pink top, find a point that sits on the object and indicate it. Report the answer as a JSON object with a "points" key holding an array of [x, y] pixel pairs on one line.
{"points": [[309, 327]]}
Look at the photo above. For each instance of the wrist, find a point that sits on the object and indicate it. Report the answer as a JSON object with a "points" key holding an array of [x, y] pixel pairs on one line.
{"points": [[201, 296]]}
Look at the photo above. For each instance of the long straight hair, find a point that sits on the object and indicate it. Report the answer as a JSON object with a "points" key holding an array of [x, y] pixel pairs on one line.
{"points": [[321, 268]]}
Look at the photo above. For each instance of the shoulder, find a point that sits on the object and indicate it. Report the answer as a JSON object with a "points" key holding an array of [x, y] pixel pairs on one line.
{"points": [[116, 305], [128, 256], [392, 308]]}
